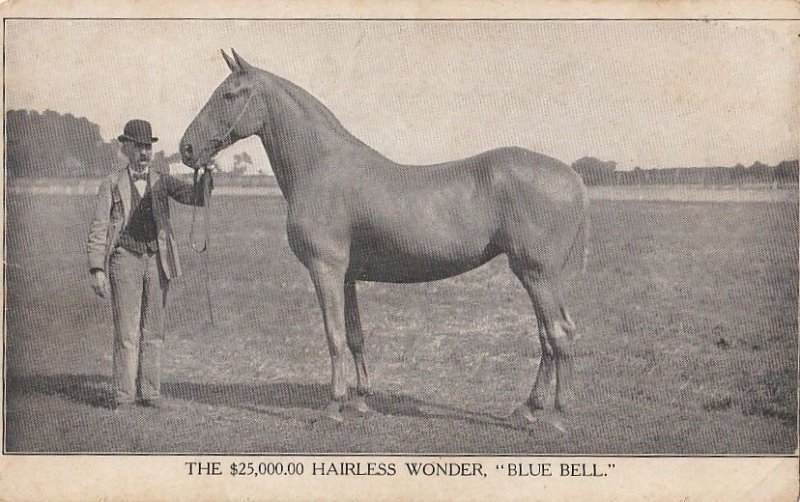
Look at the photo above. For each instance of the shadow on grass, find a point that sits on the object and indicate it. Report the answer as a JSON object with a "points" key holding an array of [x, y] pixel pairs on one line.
{"points": [[95, 391], [92, 390]]}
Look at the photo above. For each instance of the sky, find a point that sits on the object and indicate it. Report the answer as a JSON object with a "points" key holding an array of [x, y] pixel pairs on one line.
{"points": [[641, 93]]}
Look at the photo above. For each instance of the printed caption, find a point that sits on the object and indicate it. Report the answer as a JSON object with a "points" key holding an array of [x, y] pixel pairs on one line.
{"points": [[253, 469]]}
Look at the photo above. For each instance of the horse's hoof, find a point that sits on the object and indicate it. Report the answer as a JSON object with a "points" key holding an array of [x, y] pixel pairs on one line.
{"points": [[331, 413], [358, 405], [522, 415], [327, 420], [557, 421]]}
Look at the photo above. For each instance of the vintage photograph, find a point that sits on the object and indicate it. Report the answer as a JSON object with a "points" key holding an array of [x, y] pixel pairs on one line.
{"points": [[387, 236]]}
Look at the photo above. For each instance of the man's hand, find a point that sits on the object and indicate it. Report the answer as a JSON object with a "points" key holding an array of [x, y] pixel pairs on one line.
{"points": [[100, 284]]}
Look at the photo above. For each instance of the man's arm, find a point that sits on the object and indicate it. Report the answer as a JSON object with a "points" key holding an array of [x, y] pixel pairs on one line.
{"points": [[184, 193], [98, 239]]}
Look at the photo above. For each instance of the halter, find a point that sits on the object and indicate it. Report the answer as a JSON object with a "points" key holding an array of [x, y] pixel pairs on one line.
{"points": [[221, 139], [206, 188]]}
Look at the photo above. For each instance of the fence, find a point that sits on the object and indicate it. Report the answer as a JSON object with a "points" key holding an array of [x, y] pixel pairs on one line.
{"points": [[676, 193]]}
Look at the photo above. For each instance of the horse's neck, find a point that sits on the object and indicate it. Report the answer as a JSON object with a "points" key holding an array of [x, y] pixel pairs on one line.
{"points": [[299, 133]]}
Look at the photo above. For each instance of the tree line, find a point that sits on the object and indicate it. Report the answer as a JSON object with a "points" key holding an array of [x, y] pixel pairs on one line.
{"points": [[50, 144], [598, 172]]}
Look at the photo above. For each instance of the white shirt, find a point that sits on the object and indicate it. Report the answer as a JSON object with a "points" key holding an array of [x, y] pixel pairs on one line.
{"points": [[141, 185]]}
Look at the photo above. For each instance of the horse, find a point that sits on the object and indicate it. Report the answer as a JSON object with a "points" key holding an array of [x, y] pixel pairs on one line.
{"points": [[354, 215]]}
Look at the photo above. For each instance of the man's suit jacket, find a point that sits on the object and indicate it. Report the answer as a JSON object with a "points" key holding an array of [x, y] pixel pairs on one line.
{"points": [[113, 211]]}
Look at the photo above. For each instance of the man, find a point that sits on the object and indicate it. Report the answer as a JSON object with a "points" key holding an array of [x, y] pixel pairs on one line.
{"points": [[132, 257]]}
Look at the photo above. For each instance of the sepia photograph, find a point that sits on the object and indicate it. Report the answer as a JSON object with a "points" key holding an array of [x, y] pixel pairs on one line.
{"points": [[401, 236]]}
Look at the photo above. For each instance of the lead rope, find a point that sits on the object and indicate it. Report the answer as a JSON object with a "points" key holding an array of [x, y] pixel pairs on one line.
{"points": [[206, 230]]}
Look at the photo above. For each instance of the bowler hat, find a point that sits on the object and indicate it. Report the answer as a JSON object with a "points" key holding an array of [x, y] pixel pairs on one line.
{"points": [[138, 131]]}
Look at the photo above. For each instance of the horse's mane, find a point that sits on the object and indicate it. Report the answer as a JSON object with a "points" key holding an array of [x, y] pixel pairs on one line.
{"points": [[304, 99]]}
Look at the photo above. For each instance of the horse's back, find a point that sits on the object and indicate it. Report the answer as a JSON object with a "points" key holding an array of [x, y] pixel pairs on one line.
{"points": [[416, 223]]}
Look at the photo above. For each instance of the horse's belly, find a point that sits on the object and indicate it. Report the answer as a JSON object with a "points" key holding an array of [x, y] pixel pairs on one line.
{"points": [[421, 260], [401, 270], [420, 235]]}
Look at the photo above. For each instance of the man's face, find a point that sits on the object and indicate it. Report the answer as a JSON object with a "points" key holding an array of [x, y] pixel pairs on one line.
{"points": [[138, 154]]}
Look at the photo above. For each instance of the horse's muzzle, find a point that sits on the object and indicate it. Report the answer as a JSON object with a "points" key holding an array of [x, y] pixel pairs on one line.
{"points": [[198, 158], [187, 155]]}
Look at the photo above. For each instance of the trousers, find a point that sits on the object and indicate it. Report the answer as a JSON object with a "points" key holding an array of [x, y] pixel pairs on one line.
{"points": [[138, 303]]}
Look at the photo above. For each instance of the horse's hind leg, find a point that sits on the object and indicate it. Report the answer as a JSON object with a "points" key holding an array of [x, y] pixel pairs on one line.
{"points": [[551, 315], [544, 375], [355, 341]]}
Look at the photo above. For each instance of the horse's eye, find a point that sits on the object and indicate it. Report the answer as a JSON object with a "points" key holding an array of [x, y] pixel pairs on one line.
{"points": [[229, 95]]}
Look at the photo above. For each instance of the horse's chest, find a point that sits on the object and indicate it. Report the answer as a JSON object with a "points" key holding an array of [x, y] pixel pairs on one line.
{"points": [[318, 233]]}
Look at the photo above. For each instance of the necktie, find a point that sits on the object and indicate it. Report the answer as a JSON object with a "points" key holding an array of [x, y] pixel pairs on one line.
{"points": [[138, 176]]}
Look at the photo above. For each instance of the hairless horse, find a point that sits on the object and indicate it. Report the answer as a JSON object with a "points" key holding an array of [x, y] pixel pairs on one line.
{"points": [[354, 215]]}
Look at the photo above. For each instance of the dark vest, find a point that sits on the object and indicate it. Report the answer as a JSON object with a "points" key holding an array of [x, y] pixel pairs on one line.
{"points": [[140, 234]]}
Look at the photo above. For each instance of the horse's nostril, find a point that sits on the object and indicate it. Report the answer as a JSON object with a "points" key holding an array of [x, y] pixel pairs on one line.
{"points": [[187, 150]]}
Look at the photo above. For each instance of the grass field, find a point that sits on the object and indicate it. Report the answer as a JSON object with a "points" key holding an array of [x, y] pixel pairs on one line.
{"points": [[687, 314]]}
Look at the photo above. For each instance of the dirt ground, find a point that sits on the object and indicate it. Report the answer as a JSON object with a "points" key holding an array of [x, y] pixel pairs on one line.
{"points": [[688, 342]]}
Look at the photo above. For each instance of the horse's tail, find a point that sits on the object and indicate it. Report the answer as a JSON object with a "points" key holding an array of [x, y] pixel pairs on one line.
{"points": [[586, 227], [581, 238]]}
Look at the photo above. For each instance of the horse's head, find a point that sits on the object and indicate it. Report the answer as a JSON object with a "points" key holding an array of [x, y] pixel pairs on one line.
{"points": [[230, 114]]}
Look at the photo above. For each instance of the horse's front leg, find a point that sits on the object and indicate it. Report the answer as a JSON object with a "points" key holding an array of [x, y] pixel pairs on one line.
{"points": [[329, 283]]}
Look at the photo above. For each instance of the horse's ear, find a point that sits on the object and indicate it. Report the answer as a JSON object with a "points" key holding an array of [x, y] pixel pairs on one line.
{"points": [[231, 63], [243, 65]]}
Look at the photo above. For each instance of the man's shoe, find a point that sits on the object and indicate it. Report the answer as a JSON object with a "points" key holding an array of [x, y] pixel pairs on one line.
{"points": [[156, 404]]}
